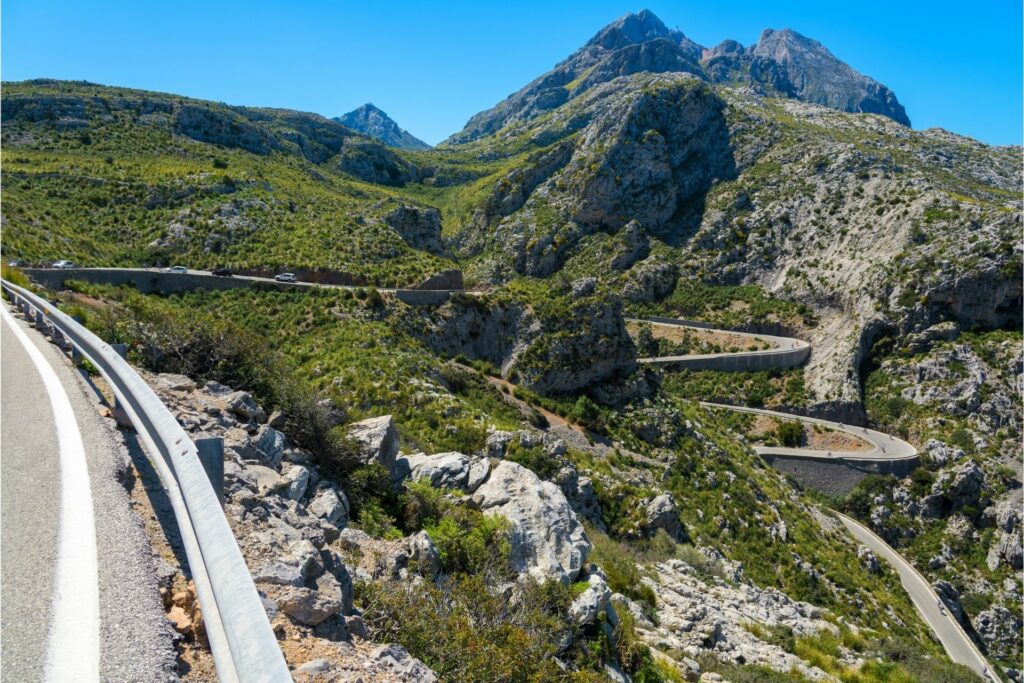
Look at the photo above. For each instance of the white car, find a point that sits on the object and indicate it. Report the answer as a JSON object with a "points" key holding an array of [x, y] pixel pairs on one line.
{"points": [[286, 277], [63, 263], [176, 269]]}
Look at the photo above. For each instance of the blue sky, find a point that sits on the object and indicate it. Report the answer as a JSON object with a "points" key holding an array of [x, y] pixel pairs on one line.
{"points": [[432, 65]]}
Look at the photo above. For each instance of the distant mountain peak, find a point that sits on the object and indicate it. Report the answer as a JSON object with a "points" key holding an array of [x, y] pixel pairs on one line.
{"points": [[371, 120]]}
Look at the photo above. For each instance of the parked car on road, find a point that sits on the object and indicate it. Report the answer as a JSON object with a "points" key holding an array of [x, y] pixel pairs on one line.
{"points": [[63, 263], [176, 269], [222, 272], [286, 277]]}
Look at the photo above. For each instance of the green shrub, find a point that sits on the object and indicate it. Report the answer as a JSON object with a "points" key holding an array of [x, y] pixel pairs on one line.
{"points": [[619, 563], [464, 632], [791, 434]]}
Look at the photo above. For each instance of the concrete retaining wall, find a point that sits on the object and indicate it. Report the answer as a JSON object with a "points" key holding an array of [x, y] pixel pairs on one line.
{"points": [[773, 329], [147, 282], [740, 361], [158, 282], [837, 477]]}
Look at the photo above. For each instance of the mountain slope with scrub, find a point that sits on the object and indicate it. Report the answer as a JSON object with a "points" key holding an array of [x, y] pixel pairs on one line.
{"points": [[770, 188]]}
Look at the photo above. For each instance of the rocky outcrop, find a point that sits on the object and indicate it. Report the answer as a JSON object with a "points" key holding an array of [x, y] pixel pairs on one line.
{"points": [[954, 489], [696, 615], [547, 539], [649, 151], [289, 522], [375, 163], [419, 228], [1000, 630], [662, 513], [371, 121], [566, 351], [593, 601], [442, 470]]}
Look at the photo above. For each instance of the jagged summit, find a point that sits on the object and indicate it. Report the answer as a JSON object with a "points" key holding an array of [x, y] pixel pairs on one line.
{"points": [[372, 121], [630, 29], [781, 64]]}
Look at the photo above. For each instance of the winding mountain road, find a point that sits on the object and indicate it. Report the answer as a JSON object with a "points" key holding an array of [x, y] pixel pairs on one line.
{"points": [[884, 447]]}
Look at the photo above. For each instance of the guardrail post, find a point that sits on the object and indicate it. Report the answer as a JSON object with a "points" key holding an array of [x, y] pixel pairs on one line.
{"points": [[211, 456], [120, 349]]}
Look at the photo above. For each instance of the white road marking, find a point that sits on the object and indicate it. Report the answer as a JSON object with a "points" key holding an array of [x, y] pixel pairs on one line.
{"points": [[73, 646]]}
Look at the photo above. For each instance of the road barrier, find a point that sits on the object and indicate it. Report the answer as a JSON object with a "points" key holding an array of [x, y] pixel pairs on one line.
{"points": [[245, 649]]}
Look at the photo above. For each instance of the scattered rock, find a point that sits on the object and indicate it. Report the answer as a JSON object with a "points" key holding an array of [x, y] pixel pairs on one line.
{"points": [[307, 606], [378, 438], [242, 403], [331, 506]]}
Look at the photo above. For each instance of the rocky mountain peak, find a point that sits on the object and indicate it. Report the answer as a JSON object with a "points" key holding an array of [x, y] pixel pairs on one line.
{"points": [[806, 70], [629, 30], [371, 120]]}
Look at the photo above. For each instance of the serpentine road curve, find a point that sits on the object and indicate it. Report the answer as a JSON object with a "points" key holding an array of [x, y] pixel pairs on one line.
{"points": [[884, 447]]}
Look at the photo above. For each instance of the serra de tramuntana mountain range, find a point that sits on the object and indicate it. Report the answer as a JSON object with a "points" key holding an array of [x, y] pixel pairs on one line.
{"points": [[769, 189], [780, 64]]}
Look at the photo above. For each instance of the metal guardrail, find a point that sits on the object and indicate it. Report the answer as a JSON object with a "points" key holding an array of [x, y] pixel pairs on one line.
{"points": [[244, 647]]}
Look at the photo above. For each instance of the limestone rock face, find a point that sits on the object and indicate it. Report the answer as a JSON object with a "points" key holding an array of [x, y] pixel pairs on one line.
{"points": [[663, 513], [1008, 549], [547, 539], [1000, 629], [586, 346], [378, 438], [419, 228], [695, 616], [443, 470]]}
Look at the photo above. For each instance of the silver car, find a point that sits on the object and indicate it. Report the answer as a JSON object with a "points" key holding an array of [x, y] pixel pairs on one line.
{"points": [[286, 277], [63, 263]]}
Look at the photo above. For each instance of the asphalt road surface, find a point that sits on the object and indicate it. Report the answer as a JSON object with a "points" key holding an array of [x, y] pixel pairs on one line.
{"points": [[958, 645], [884, 446], [80, 600]]}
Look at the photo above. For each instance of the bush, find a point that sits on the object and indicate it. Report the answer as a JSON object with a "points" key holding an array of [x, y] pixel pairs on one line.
{"points": [[619, 563], [467, 540], [464, 632], [587, 413], [791, 434]]}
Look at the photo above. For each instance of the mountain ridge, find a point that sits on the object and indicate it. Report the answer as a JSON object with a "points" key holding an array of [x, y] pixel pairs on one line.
{"points": [[782, 63]]}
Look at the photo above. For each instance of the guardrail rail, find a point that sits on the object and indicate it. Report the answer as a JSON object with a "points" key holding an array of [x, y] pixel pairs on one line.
{"points": [[244, 647]]}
